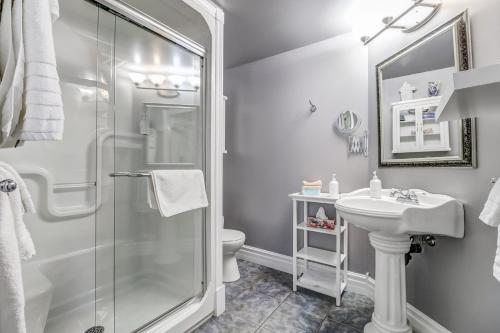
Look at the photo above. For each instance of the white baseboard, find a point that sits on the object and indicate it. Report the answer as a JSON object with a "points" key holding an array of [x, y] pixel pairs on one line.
{"points": [[266, 258], [220, 300], [357, 283]]}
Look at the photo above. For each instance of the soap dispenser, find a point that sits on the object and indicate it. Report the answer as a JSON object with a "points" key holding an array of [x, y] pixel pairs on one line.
{"points": [[333, 187], [375, 187]]}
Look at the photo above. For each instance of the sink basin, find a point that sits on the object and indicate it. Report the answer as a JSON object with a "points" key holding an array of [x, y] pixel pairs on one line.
{"points": [[434, 214], [390, 223]]}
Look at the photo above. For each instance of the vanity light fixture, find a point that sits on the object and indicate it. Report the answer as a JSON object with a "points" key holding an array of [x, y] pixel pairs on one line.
{"points": [[157, 79], [411, 19], [195, 81], [137, 78], [176, 80]]}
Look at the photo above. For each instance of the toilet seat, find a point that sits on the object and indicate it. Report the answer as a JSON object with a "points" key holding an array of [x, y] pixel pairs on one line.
{"points": [[232, 236]]}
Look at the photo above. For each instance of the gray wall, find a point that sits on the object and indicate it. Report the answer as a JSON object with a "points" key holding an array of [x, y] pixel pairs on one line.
{"points": [[453, 282], [274, 142]]}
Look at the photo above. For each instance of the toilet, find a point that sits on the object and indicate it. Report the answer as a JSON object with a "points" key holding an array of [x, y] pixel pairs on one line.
{"points": [[232, 241], [38, 295]]}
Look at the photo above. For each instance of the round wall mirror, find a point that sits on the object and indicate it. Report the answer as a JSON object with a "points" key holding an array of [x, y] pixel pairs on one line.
{"points": [[347, 122]]}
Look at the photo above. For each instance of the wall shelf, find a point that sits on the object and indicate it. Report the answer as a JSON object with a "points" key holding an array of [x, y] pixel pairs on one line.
{"points": [[476, 93], [331, 280]]}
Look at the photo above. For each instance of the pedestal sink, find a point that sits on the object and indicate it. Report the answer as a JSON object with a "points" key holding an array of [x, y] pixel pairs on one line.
{"points": [[390, 222]]}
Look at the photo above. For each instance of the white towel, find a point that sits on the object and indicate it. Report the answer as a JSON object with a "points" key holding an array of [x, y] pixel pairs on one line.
{"points": [[491, 216], [491, 211], [7, 61], [24, 240], [44, 116], [12, 302], [11, 108], [28, 204], [178, 191]]}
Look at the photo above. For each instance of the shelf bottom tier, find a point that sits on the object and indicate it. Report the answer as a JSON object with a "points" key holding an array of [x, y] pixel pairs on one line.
{"points": [[320, 280]]}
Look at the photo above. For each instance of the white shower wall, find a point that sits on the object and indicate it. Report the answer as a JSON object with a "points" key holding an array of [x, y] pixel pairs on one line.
{"points": [[81, 252]]}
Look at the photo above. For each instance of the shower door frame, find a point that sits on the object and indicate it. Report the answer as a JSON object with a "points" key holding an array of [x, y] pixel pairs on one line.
{"points": [[198, 309]]}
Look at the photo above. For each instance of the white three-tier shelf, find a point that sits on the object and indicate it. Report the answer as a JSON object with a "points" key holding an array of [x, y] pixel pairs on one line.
{"points": [[313, 268]]}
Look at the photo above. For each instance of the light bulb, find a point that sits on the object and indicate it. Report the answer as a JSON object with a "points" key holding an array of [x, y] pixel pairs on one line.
{"points": [[176, 80], [157, 79], [367, 15], [137, 78], [195, 81]]}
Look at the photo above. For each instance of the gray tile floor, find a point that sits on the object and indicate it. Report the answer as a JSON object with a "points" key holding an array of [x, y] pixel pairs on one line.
{"points": [[263, 301]]}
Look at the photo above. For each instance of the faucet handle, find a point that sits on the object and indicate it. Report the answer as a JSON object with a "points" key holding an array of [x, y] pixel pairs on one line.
{"points": [[394, 192]]}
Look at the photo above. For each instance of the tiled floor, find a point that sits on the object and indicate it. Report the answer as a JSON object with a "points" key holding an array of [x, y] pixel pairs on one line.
{"points": [[262, 301]]}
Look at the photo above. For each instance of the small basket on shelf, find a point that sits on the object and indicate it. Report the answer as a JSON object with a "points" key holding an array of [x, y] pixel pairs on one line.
{"points": [[314, 222]]}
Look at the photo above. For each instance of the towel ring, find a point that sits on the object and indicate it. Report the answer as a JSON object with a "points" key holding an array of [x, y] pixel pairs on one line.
{"points": [[7, 186]]}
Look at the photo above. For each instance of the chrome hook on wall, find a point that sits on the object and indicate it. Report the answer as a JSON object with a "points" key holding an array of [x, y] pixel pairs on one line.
{"points": [[313, 107]]}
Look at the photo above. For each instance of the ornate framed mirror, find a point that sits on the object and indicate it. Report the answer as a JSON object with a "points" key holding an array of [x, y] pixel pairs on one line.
{"points": [[411, 86]]}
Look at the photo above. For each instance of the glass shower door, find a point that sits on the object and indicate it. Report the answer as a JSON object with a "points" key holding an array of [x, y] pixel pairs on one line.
{"points": [[159, 123]]}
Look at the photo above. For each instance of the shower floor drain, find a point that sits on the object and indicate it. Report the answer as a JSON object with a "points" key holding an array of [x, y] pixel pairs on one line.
{"points": [[95, 329]]}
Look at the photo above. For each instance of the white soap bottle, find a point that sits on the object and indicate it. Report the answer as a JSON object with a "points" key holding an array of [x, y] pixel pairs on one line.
{"points": [[375, 186], [333, 187]]}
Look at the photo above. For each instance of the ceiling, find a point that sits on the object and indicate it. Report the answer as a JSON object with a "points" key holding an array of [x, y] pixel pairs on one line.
{"points": [[256, 29]]}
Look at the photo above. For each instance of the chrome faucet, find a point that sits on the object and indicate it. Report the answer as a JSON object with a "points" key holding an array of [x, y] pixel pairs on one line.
{"points": [[407, 196]]}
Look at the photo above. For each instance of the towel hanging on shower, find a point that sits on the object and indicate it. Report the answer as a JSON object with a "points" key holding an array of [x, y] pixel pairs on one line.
{"points": [[25, 242], [28, 66], [7, 59], [43, 115], [12, 318], [178, 191], [10, 110]]}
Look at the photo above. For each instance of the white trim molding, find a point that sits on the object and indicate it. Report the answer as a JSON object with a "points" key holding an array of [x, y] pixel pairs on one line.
{"points": [[356, 282]]}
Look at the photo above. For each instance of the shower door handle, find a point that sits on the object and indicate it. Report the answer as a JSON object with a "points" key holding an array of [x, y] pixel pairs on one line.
{"points": [[130, 174]]}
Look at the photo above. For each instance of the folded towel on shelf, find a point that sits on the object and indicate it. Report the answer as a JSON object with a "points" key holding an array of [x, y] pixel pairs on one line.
{"points": [[491, 216], [316, 183], [178, 191], [23, 236], [12, 318], [43, 116]]}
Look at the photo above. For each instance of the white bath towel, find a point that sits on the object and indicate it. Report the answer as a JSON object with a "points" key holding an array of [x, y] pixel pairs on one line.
{"points": [[12, 302], [491, 216], [178, 191], [44, 116], [7, 57], [11, 108], [25, 242], [491, 211]]}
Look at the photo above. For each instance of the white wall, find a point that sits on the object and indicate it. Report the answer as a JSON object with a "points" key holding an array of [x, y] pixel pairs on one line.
{"points": [[274, 142]]}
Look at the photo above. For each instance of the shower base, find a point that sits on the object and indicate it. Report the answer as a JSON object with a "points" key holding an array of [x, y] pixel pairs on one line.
{"points": [[134, 307]]}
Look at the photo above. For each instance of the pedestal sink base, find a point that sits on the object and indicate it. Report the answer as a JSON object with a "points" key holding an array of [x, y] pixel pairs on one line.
{"points": [[390, 284], [371, 328]]}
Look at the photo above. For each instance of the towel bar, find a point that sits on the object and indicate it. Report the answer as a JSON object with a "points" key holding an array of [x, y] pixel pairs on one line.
{"points": [[130, 174], [7, 185]]}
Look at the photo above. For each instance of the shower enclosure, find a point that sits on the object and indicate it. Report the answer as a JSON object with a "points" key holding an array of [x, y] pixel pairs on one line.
{"points": [[137, 98]]}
